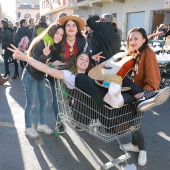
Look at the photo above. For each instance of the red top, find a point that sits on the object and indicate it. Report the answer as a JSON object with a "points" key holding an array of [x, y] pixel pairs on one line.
{"points": [[69, 51]]}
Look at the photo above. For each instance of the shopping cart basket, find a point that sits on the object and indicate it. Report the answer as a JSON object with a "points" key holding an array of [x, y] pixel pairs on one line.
{"points": [[76, 108]]}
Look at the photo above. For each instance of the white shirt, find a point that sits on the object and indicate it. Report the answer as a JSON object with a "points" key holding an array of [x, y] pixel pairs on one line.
{"points": [[69, 79]]}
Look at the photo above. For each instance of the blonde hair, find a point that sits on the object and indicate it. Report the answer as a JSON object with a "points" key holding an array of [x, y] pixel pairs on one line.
{"points": [[31, 22], [161, 25]]}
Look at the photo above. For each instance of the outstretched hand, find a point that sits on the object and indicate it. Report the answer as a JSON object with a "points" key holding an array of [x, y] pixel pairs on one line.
{"points": [[57, 63], [46, 50], [97, 57], [17, 54]]}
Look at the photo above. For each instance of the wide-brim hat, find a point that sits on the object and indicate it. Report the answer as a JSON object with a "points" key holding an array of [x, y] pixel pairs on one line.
{"points": [[80, 21], [111, 78]]}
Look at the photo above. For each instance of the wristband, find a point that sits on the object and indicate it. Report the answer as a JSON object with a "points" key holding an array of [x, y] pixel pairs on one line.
{"points": [[51, 65], [30, 60]]}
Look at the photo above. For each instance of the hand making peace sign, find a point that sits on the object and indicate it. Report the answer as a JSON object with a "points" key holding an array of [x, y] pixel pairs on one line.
{"points": [[97, 57], [17, 54], [46, 50]]}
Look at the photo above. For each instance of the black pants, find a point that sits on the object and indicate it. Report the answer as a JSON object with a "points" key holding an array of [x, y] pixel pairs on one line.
{"points": [[88, 85], [8, 54], [134, 88], [138, 139]]}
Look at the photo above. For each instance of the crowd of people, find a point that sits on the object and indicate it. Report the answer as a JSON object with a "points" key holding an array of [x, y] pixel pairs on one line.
{"points": [[163, 30], [82, 45]]}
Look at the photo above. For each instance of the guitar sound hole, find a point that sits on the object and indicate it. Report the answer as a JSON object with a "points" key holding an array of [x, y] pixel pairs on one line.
{"points": [[117, 59], [107, 67]]}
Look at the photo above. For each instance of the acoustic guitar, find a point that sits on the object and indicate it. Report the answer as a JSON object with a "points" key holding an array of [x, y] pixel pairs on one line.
{"points": [[120, 64]]}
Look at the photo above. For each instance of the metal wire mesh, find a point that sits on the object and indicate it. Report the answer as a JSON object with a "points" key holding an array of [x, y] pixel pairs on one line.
{"points": [[105, 123]]}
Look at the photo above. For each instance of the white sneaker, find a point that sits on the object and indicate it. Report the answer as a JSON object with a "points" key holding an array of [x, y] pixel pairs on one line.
{"points": [[45, 129], [142, 159], [130, 147], [32, 133]]}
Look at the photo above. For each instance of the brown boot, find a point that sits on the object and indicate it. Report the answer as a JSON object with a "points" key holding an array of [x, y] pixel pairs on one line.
{"points": [[3, 80]]}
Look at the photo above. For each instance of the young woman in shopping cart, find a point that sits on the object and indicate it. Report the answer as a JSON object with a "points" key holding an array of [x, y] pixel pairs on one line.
{"points": [[79, 65]]}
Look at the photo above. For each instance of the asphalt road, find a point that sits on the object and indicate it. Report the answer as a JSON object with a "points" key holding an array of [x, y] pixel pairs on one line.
{"points": [[72, 151]]}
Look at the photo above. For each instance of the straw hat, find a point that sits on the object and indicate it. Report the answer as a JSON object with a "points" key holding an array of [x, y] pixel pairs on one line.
{"points": [[80, 21], [111, 78]]}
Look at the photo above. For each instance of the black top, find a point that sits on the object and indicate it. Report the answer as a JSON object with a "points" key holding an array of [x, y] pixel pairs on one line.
{"points": [[37, 54], [104, 38], [22, 32], [7, 38]]}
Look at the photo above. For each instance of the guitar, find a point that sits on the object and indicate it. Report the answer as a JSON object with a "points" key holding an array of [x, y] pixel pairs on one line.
{"points": [[120, 64]]}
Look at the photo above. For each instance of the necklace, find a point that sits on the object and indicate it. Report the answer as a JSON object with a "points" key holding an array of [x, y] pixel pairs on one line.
{"points": [[71, 40], [71, 50]]}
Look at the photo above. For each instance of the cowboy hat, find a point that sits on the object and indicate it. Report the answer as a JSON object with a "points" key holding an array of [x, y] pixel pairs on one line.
{"points": [[80, 21]]}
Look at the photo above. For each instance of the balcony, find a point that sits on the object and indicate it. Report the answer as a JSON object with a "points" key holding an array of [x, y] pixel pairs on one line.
{"points": [[83, 4]]}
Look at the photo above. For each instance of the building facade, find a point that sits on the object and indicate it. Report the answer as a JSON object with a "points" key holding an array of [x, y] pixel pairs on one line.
{"points": [[129, 13], [51, 8], [28, 9]]}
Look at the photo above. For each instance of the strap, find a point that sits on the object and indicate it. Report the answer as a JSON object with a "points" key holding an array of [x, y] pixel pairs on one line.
{"points": [[85, 47]]}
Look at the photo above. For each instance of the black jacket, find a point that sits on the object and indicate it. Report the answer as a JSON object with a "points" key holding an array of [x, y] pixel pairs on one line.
{"points": [[37, 53], [22, 32], [83, 46], [7, 38], [167, 33], [103, 38]]}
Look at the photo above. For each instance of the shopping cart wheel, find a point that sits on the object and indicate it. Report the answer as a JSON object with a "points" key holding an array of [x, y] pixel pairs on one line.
{"points": [[128, 167], [56, 135], [124, 163]]}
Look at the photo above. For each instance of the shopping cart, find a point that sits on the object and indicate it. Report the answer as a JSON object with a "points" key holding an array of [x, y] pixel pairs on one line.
{"points": [[76, 108]]}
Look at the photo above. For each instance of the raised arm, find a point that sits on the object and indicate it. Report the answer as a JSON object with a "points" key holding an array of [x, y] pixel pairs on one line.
{"points": [[91, 22], [36, 64]]}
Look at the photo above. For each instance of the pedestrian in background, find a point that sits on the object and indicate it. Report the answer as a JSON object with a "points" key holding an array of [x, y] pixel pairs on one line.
{"points": [[107, 42], [21, 32], [7, 39], [40, 27]]}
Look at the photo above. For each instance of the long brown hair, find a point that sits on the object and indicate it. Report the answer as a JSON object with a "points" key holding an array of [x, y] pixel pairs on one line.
{"points": [[51, 30], [71, 64], [144, 35]]}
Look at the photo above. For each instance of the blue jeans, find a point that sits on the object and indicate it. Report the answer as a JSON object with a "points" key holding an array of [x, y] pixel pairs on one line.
{"points": [[33, 88], [54, 99]]}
